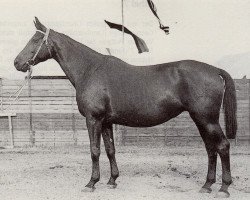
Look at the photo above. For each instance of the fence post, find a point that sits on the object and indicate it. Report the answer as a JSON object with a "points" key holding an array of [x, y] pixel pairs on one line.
{"points": [[1, 94], [74, 124], [123, 135], [248, 87], [11, 131], [32, 134], [73, 115]]}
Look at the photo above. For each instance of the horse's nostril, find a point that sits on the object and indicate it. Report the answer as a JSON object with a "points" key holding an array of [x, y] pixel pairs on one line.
{"points": [[15, 62]]}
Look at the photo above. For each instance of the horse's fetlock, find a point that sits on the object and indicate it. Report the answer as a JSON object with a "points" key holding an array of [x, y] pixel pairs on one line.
{"points": [[96, 179], [227, 182], [211, 181], [115, 175]]}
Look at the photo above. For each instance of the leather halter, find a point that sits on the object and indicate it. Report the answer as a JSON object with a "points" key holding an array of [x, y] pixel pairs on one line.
{"points": [[31, 62]]}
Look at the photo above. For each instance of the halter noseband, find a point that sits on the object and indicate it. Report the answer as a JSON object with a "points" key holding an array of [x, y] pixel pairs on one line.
{"points": [[31, 62]]}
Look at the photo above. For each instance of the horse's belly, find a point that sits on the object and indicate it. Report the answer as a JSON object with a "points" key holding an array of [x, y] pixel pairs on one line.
{"points": [[146, 117]]}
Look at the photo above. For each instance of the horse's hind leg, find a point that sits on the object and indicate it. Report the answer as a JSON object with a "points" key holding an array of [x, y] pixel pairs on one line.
{"points": [[215, 142], [211, 174], [223, 147], [108, 139], [212, 155]]}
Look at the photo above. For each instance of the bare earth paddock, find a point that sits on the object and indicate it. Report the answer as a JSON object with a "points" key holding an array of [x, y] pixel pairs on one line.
{"points": [[167, 172]]}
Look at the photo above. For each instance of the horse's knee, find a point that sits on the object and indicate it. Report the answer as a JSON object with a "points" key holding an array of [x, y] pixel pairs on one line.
{"points": [[110, 152], [223, 147], [95, 153], [213, 129]]}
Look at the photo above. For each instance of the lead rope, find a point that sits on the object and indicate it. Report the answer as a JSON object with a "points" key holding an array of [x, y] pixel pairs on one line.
{"points": [[19, 90]]}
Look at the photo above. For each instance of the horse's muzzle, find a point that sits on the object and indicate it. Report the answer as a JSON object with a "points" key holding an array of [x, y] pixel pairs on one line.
{"points": [[21, 67]]}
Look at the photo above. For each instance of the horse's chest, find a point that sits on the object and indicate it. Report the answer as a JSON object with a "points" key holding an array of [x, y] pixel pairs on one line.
{"points": [[92, 100]]}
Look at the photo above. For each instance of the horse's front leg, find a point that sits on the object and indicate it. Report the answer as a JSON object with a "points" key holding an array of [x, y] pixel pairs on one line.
{"points": [[108, 139], [94, 128]]}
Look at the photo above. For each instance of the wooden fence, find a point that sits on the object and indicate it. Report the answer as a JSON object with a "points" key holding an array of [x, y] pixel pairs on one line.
{"points": [[47, 114]]}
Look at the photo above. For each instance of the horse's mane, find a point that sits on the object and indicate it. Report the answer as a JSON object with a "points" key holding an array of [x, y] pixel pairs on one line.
{"points": [[76, 44]]}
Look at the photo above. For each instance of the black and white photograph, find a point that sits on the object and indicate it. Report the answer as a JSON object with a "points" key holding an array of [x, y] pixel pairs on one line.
{"points": [[124, 99]]}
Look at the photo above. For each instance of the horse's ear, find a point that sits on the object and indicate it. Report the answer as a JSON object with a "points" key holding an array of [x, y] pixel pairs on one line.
{"points": [[39, 25]]}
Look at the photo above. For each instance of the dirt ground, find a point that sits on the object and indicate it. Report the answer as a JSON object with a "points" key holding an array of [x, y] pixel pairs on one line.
{"points": [[145, 173]]}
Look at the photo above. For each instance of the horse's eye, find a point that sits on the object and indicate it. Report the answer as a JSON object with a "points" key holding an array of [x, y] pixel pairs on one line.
{"points": [[35, 41]]}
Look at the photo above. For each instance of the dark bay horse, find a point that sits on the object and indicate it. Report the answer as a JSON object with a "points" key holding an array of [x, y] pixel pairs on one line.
{"points": [[110, 91]]}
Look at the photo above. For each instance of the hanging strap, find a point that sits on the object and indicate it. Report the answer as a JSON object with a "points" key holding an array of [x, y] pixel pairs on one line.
{"points": [[154, 10]]}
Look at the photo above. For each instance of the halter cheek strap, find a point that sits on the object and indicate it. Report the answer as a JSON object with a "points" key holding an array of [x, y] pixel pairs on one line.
{"points": [[45, 40]]}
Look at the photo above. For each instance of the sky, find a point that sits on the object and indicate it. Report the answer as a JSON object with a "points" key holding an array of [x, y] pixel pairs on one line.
{"points": [[213, 31]]}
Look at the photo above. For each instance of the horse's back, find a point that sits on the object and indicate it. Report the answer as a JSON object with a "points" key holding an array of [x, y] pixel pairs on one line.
{"points": [[175, 76]]}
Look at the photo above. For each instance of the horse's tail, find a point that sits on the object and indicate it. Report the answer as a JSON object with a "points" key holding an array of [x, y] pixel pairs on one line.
{"points": [[229, 105]]}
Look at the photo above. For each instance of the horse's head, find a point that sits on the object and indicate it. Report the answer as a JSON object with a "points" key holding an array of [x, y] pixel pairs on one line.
{"points": [[37, 49]]}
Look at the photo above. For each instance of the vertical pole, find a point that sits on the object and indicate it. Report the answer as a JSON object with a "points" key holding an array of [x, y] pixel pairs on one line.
{"points": [[54, 130], [116, 132], [1, 94], [248, 85], [32, 139], [1, 103], [123, 22], [138, 136], [116, 136], [122, 136], [165, 136], [74, 129], [73, 117], [11, 132]]}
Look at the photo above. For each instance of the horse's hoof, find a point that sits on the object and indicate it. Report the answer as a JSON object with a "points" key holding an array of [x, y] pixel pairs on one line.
{"points": [[222, 194], [205, 190], [88, 189], [112, 186]]}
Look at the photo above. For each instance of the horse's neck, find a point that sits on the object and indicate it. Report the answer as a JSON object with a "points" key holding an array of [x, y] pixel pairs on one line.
{"points": [[74, 58]]}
